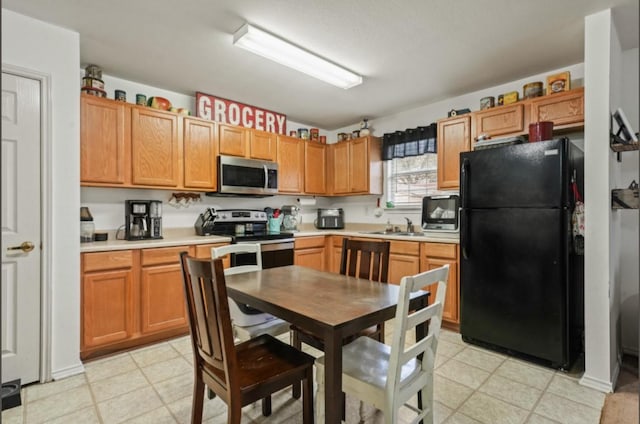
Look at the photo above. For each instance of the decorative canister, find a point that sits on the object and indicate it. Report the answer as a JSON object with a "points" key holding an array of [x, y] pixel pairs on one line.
{"points": [[93, 71], [94, 91], [303, 133], [323, 139], [293, 133], [342, 136], [120, 95], [487, 102], [90, 82], [355, 133], [540, 131], [533, 89], [511, 97], [501, 100], [141, 99], [314, 134]]}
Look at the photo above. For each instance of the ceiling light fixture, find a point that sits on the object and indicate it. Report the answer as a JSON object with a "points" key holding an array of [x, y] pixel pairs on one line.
{"points": [[267, 45]]}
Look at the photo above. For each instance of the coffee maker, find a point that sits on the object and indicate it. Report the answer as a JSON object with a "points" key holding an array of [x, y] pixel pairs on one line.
{"points": [[291, 218], [143, 219]]}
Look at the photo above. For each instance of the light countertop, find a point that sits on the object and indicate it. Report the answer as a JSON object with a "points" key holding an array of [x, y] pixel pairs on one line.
{"points": [[186, 236]]}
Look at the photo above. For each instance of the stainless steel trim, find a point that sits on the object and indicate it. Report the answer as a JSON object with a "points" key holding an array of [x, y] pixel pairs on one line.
{"points": [[248, 163], [271, 245]]}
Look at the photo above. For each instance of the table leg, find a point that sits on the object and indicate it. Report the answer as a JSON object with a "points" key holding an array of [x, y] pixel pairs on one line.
{"points": [[333, 379]]}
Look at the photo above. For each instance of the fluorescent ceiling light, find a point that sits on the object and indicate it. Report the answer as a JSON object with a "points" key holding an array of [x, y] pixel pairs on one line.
{"points": [[267, 45]]}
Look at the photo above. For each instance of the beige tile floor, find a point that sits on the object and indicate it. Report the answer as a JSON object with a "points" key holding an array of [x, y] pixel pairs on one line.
{"points": [[153, 385]]}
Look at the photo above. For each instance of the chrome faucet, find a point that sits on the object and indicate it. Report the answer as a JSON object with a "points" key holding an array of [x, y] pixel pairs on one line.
{"points": [[409, 225]]}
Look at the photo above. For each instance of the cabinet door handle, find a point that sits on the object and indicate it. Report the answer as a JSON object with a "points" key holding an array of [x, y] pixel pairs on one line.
{"points": [[26, 247]]}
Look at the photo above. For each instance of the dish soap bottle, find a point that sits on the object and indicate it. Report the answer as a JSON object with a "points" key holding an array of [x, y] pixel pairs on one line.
{"points": [[389, 227]]}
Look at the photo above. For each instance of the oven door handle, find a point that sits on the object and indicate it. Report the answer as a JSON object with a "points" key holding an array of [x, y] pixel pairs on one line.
{"points": [[262, 242]]}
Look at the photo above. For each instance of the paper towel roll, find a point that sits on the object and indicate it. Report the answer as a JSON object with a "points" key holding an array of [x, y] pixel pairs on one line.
{"points": [[307, 202]]}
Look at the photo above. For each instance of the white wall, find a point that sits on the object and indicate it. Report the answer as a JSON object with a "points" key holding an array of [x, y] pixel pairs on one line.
{"points": [[629, 274], [600, 40], [43, 48]]}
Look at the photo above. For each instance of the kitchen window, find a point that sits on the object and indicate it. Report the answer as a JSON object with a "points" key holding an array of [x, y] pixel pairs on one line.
{"points": [[411, 178]]}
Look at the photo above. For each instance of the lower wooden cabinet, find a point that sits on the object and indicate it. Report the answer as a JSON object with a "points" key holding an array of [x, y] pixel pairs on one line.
{"points": [[310, 252], [404, 259], [133, 297], [335, 253], [435, 255], [162, 303]]}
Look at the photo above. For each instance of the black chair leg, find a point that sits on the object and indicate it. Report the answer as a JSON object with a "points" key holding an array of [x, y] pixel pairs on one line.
{"points": [[295, 342], [266, 406], [210, 394]]}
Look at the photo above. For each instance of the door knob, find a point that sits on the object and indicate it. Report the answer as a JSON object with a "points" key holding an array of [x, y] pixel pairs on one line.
{"points": [[26, 247]]}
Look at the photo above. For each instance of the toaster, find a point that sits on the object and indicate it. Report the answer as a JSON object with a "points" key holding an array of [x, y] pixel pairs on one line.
{"points": [[330, 219]]}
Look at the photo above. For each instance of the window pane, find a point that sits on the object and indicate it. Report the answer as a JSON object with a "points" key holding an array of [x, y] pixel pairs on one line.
{"points": [[412, 178]]}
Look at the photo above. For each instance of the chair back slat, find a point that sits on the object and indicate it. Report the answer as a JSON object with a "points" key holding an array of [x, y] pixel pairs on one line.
{"points": [[365, 259], [209, 319], [424, 349], [219, 252]]}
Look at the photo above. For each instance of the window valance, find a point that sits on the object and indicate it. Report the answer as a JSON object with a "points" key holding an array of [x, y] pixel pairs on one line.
{"points": [[410, 142]]}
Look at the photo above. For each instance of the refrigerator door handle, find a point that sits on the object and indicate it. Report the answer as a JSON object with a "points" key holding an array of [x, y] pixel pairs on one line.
{"points": [[464, 182], [464, 234]]}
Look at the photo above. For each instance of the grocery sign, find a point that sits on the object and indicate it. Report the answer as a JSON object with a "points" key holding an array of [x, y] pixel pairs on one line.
{"points": [[230, 112]]}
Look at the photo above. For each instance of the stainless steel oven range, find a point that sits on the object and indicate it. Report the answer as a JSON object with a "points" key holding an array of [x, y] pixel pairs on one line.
{"points": [[250, 226]]}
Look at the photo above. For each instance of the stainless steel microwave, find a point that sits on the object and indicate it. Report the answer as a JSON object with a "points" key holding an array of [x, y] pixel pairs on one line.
{"points": [[247, 176]]}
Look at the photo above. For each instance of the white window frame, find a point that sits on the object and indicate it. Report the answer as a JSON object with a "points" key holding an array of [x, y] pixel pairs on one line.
{"points": [[389, 191]]}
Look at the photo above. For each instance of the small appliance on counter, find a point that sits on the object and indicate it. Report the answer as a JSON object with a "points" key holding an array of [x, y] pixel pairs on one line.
{"points": [[143, 219], [291, 218], [204, 222], [330, 219], [87, 228], [440, 213]]}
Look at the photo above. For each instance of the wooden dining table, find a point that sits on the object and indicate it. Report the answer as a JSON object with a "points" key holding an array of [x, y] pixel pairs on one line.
{"points": [[332, 306]]}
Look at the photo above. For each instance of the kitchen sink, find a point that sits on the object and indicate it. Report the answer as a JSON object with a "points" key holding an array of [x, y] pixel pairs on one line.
{"points": [[392, 233]]}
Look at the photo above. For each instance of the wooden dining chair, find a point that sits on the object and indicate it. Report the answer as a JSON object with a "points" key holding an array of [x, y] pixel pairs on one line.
{"points": [[238, 374], [362, 259], [388, 376], [249, 322]]}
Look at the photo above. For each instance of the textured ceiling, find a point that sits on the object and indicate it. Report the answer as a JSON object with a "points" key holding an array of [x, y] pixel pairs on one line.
{"points": [[410, 52]]}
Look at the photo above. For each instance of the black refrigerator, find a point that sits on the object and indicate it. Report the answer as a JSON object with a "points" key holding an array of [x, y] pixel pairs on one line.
{"points": [[521, 283]]}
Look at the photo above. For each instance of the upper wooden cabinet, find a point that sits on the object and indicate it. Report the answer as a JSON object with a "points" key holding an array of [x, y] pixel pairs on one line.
{"points": [[315, 168], [355, 166], [155, 147], [290, 160], [247, 143], [565, 109], [454, 137], [233, 140], [123, 145], [500, 121], [339, 160], [263, 145], [104, 147], [199, 154]]}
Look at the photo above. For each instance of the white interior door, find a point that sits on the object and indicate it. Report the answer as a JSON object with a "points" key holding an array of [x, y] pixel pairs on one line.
{"points": [[21, 228]]}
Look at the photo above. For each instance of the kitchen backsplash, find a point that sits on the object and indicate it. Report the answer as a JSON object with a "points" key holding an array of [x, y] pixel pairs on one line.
{"points": [[107, 207]]}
